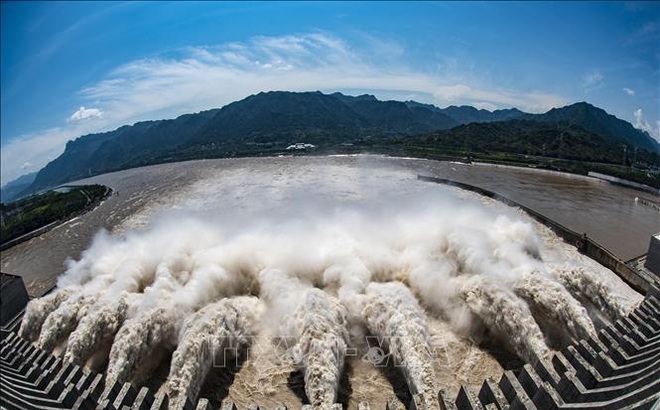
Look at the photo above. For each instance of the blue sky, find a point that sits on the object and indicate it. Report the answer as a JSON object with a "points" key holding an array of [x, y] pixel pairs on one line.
{"points": [[73, 68]]}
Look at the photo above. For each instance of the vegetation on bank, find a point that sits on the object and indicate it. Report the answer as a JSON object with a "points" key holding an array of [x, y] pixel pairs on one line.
{"points": [[631, 173], [642, 167], [29, 214], [557, 147]]}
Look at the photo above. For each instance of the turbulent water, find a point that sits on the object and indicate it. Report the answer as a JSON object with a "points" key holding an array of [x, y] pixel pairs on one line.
{"points": [[100, 325], [137, 339], [320, 349], [556, 304], [322, 266], [38, 310], [587, 285], [393, 314], [209, 338], [63, 320], [507, 316]]}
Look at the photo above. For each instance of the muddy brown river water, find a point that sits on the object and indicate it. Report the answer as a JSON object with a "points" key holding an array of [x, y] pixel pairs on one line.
{"points": [[607, 213]]}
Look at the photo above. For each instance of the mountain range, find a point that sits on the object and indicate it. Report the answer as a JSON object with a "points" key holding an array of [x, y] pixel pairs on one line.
{"points": [[266, 123], [14, 188]]}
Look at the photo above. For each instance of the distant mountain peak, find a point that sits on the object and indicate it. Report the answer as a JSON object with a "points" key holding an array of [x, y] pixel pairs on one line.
{"points": [[362, 97], [599, 121], [466, 114]]}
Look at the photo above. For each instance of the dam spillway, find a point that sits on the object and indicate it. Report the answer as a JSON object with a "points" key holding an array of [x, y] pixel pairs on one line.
{"points": [[616, 369]]}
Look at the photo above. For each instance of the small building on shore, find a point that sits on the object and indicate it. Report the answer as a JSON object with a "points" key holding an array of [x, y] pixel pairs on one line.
{"points": [[300, 146]]}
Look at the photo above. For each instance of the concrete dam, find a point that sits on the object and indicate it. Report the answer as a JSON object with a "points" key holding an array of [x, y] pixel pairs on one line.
{"points": [[618, 368]]}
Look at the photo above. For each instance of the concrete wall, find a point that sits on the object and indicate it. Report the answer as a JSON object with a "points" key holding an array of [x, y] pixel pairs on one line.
{"points": [[13, 297], [624, 182]]}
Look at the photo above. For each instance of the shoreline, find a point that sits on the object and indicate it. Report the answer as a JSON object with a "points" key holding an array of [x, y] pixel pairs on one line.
{"points": [[56, 224]]}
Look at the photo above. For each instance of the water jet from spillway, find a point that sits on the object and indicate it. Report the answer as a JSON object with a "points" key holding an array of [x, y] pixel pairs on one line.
{"points": [[316, 328], [63, 320], [393, 314], [586, 285], [320, 324], [205, 340], [38, 310], [97, 327], [136, 339], [555, 303], [507, 316]]}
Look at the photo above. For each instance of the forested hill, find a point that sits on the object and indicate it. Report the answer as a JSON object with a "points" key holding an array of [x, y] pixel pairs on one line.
{"points": [[267, 123]]}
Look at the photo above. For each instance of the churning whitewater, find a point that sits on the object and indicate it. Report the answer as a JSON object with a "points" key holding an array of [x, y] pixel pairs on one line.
{"points": [[194, 287], [214, 335]]}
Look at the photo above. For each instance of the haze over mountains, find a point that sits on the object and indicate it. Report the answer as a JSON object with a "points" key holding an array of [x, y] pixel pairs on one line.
{"points": [[266, 123], [14, 188]]}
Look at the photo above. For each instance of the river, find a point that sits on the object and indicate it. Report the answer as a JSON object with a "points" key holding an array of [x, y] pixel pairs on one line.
{"points": [[250, 187]]}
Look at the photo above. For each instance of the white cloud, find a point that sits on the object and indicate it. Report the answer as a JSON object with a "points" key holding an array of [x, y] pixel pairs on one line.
{"points": [[200, 78], [85, 114], [644, 125], [205, 77], [29, 153], [494, 98], [592, 81], [484, 106], [628, 91]]}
